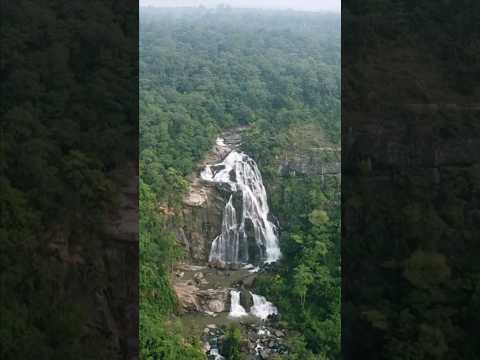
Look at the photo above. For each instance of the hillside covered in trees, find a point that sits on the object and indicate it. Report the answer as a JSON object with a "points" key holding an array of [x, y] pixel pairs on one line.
{"points": [[410, 89], [68, 79], [276, 75]]}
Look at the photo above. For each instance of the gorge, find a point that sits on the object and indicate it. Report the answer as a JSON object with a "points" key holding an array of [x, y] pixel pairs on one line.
{"points": [[215, 282]]}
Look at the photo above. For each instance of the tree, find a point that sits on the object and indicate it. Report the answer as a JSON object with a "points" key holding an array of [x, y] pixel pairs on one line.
{"points": [[231, 345], [302, 279]]}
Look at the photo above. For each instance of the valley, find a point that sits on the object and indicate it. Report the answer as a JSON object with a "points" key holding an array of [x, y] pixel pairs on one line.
{"points": [[239, 185]]}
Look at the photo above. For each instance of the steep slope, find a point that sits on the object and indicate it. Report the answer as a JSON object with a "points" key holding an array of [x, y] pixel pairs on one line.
{"points": [[215, 288], [215, 291], [200, 218]]}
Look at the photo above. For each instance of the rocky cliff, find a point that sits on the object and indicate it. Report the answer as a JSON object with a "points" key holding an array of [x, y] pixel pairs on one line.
{"points": [[200, 219], [100, 270], [308, 152], [208, 296]]}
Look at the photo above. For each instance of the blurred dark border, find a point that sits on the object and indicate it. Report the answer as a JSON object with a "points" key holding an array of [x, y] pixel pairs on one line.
{"points": [[69, 176], [410, 179]]}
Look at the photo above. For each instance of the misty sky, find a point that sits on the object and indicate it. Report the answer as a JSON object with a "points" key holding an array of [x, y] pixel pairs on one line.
{"points": [[308, 5]]}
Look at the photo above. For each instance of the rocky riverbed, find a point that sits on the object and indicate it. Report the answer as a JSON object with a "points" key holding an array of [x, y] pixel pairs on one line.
{"points": [[204, 295], [260, 341]]}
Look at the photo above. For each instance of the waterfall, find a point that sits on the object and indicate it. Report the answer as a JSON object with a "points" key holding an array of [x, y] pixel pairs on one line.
{"points": [[262, 308], [216, 354], [225, 247], [236, 310], [246, 213]]}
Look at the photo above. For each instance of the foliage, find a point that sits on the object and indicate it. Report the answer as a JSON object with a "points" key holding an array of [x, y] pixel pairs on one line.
{"points": [[307, 286], [203, 71], [63, 119], [411, 238], [299, 350], [162, 338], [231, 344]]}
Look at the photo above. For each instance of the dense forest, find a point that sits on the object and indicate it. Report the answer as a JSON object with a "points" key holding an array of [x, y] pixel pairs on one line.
{"points": [[68, 116], [410, 195], [278, 73], [68, 80]]}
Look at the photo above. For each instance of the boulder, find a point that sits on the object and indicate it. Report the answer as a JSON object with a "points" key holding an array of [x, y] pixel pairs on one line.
{"points": [[200, 279], [244, 346], [216, 306], [249, 282], [206, 347], [246, 299], [234, 266], [218, 264], [264, 353], [193, 299], [187, 296], [198, 276]]}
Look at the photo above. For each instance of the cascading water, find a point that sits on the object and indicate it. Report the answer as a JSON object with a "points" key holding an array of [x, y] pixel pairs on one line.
{"points": [[226, 246], [216, 355], [236, 310], [247, 234], [262, 308]]}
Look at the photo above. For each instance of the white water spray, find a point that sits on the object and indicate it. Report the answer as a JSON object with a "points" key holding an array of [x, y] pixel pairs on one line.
{"points": [[244, 180], [236, 310], [262, 308], [214, 352]]}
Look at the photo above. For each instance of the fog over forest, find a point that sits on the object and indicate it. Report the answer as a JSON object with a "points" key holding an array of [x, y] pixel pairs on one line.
{"points": [[305, 5]]}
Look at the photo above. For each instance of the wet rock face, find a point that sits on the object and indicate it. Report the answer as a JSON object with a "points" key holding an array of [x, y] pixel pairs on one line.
{"points": [[255, 251], [200, 219], [199, 225], [246, 299]]}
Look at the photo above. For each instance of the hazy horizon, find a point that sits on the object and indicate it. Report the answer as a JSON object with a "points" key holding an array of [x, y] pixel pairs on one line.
{"points": [[302, 5]]}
